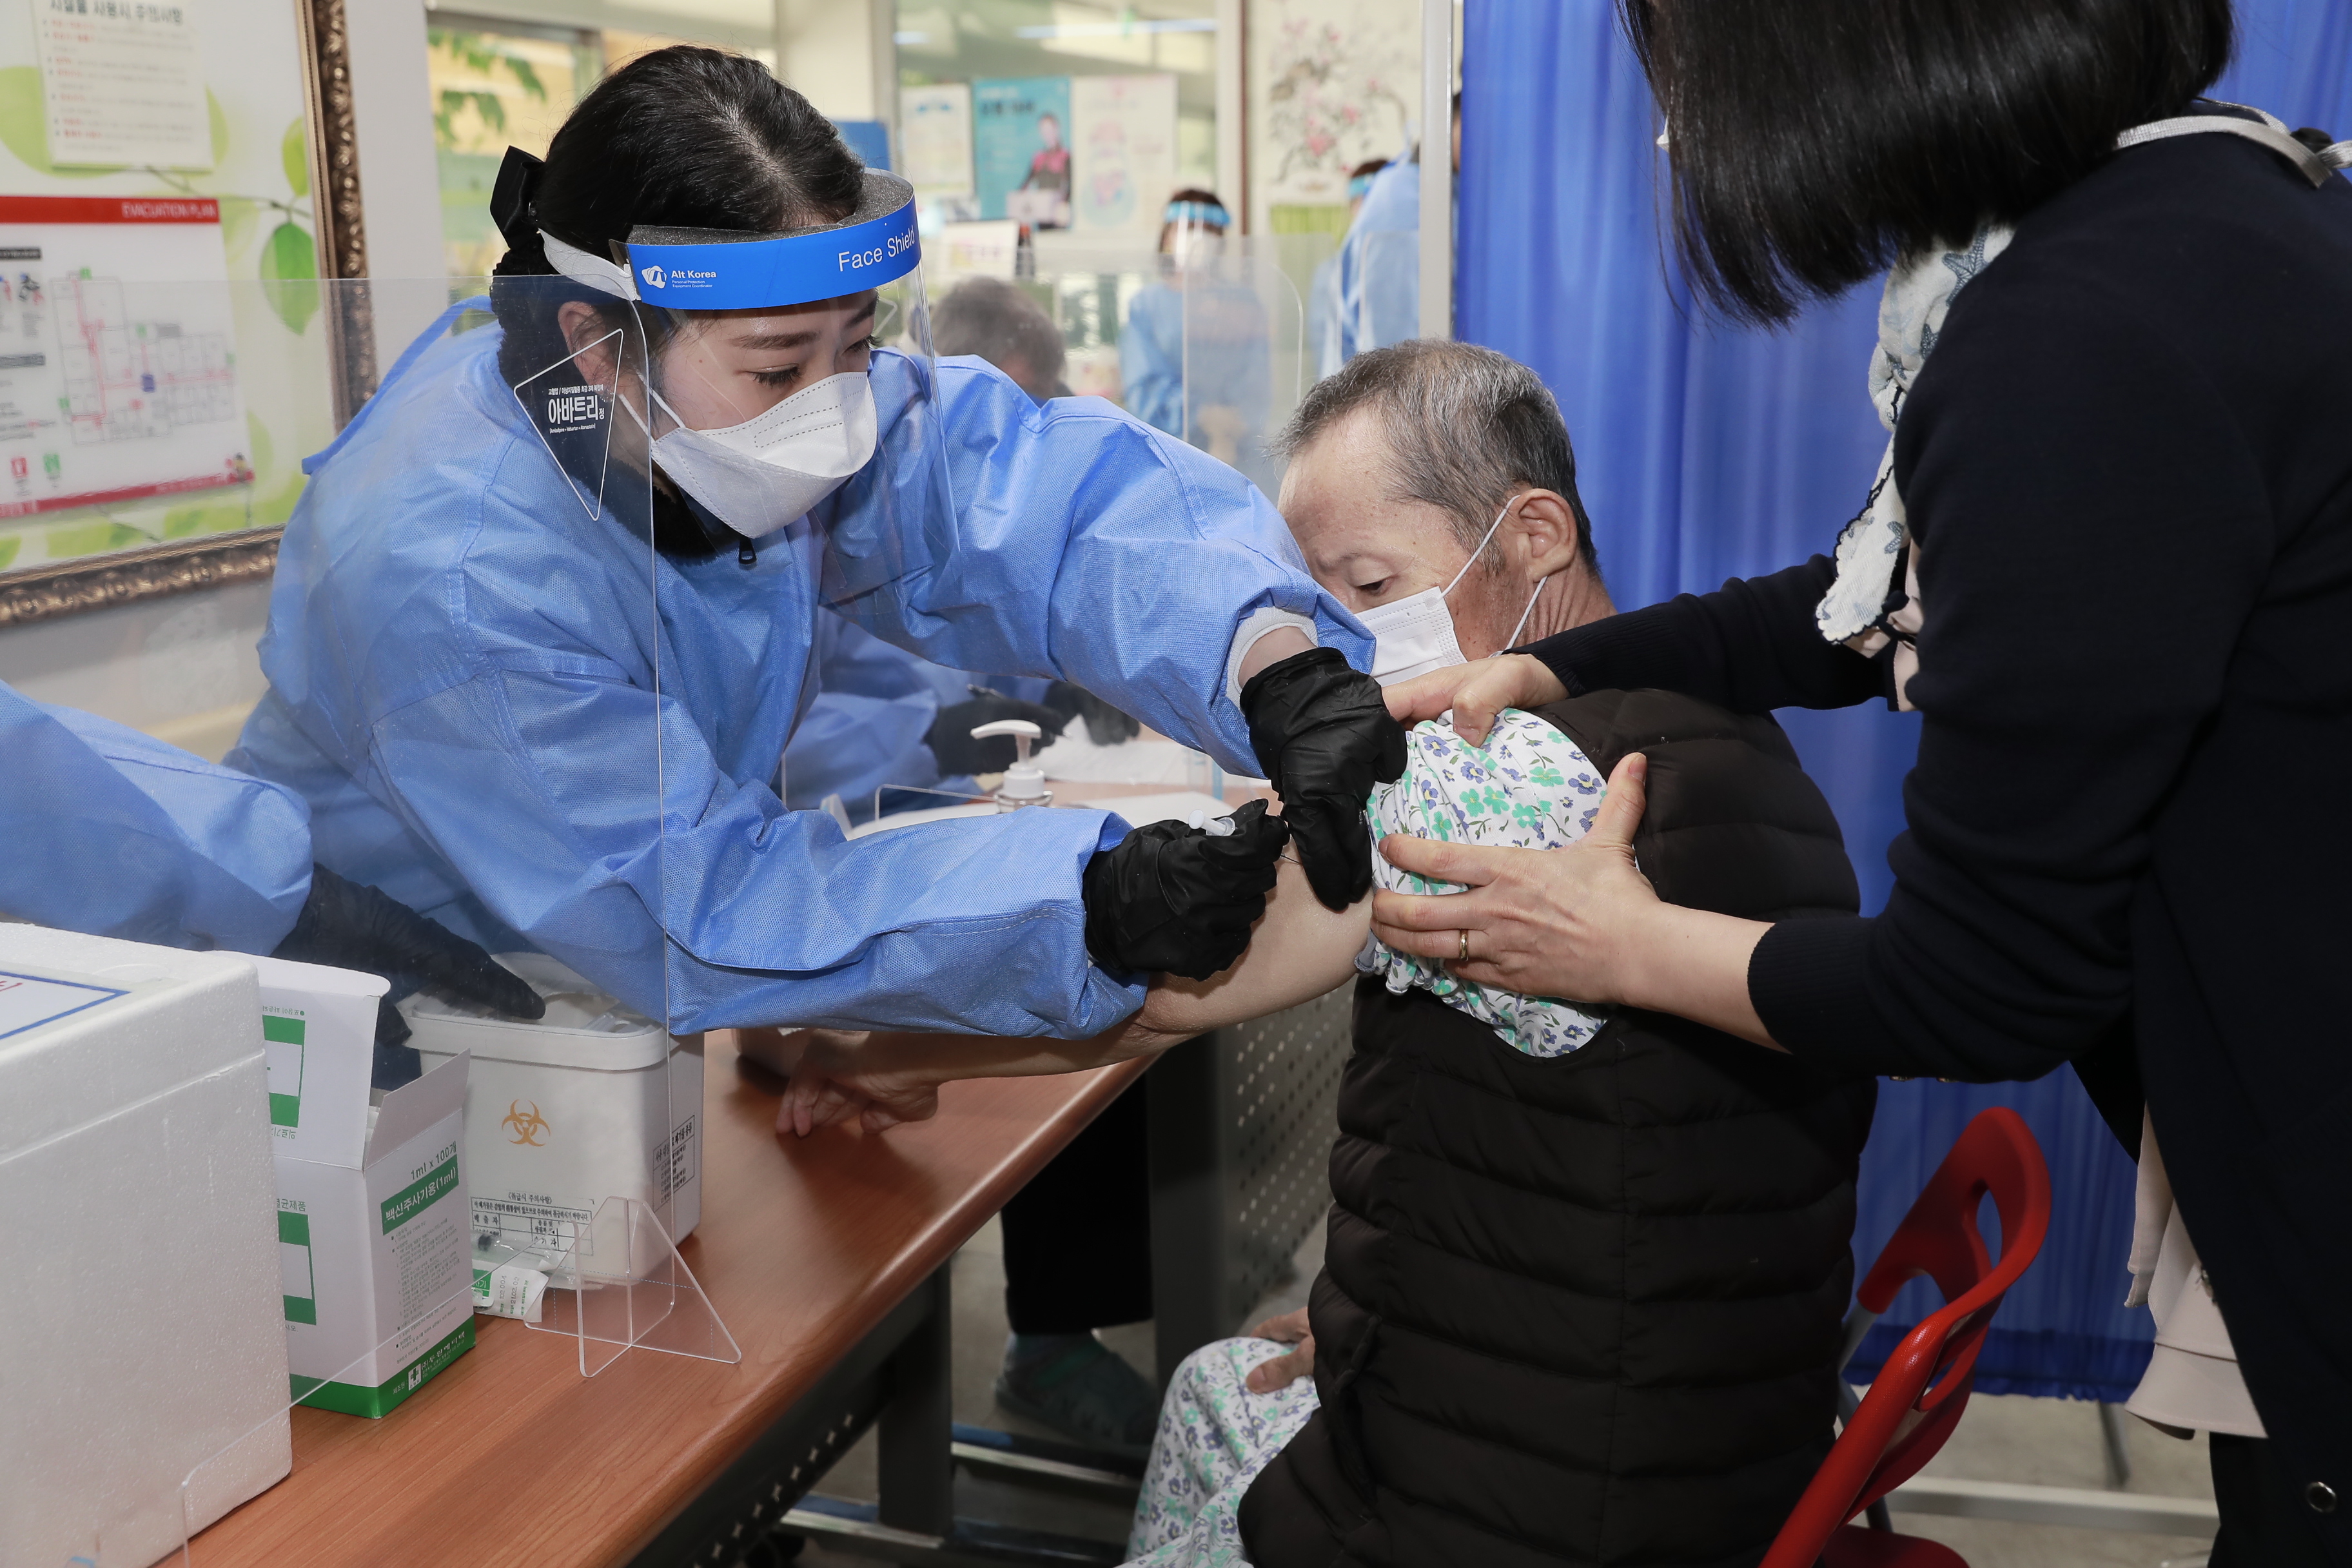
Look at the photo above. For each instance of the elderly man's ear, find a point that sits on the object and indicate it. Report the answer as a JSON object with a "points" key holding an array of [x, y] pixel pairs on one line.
{"points": [[1539, 537]]}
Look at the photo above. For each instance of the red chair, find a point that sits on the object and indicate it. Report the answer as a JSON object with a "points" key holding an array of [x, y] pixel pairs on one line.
{"points": [[1917, 1396]]}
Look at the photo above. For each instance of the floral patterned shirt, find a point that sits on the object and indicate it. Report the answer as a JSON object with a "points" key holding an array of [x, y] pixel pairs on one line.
{"points": [[1529, 787]]}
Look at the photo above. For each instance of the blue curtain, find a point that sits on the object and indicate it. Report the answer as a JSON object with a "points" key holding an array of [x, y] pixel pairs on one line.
{"points": [[1706, 452]]}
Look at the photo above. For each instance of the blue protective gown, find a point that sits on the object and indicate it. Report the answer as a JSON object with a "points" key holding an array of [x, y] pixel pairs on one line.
{"points": [[116, 834], [1379, 264], [462, 671], [866, 729]]}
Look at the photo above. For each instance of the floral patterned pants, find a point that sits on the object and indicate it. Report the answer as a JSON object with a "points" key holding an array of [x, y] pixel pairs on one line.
{"points": [[1215, 1436]]}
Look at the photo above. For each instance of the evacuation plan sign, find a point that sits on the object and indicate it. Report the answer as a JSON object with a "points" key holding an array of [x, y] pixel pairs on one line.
{"points": [[118, 364]]}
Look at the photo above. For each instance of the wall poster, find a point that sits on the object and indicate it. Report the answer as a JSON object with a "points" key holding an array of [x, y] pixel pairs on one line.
{"points": [[935, 141], [1122, 151], [124, 82], [1332, 83], [173, 185], [1021, 149], [118, 354]]}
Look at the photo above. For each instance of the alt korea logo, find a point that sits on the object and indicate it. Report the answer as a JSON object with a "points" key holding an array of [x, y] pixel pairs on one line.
{"points": [[654, 276]]}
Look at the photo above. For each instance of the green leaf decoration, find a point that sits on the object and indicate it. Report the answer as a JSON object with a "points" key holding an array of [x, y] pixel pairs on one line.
{"points": [[238, 216], [220, 128], [294, 151], [8, 548], [98, 538], [25, 124], [289, 275], [528, 74], [223, 517]]}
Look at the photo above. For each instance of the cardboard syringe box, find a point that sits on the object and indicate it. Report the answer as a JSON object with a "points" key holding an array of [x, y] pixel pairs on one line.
{"points": [[374, 1255]]}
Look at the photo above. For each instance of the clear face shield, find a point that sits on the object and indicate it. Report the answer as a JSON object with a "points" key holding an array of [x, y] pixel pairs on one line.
{"points": [[774, 416], [758, 395]]}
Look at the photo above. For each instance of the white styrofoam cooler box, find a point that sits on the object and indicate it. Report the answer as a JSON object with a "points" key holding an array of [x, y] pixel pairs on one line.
{"points": [[141, 1328], [592, 1101]]}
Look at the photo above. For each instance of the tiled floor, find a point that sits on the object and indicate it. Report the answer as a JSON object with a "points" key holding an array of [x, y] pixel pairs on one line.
{"points": [[2049, 1442]]}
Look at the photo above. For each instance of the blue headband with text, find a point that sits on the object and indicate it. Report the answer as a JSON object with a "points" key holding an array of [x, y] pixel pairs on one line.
{"points": [[1207, 215], [784, 269]]}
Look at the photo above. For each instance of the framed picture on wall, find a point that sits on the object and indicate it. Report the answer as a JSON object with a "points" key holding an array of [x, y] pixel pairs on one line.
{"points": [[182, 310]]}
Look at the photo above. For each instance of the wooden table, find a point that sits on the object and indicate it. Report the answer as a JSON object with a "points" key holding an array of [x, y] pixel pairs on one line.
{"points": [[824, 1259]]}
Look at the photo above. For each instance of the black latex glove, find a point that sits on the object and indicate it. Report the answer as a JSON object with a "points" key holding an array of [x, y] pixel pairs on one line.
{"points": [[950, 733], [1325, 738], [348, 926], [1105, 725], [1179, 900]]}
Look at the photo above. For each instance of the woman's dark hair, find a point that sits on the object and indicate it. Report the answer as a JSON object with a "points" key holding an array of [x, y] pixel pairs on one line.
{"points": [[680, 138], [1815, 142]]}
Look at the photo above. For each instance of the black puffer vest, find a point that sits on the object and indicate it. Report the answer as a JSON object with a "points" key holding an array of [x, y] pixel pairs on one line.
{"points": [[1584, 1309]]}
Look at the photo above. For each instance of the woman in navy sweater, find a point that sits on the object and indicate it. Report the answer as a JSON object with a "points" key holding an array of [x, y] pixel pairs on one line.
{"points": [[2109, 559]]}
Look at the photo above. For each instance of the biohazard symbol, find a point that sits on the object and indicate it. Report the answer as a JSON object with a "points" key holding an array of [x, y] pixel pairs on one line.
{"points": [[528, 1127]]}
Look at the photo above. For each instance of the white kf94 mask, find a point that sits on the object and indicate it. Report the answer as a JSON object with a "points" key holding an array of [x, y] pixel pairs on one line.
{"points": [[765, 473], [1414, 635]]}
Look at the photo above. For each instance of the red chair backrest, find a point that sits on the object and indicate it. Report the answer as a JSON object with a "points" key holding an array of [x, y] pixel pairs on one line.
{"points": [[1916, 1398]]}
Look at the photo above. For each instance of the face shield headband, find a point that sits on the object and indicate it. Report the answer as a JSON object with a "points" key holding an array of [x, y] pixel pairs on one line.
{"points": [[737, 269], [757, 475]]}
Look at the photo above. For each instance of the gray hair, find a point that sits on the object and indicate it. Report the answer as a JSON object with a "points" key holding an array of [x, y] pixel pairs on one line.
{"points": [[1465, 426], [998, 320]]}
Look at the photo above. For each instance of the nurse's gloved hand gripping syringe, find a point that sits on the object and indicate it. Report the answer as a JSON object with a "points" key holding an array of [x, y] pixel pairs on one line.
{"points": [[542, 621]]}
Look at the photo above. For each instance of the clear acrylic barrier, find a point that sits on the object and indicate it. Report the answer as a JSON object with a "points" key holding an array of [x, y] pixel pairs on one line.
{"points": [[1243, 357], [622, 1286], [615, 1283], [263, 1455]]}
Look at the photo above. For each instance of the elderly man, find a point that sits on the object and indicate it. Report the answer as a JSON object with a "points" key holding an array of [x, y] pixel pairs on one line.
{"points": [[1586, 1267], [1432, 490]]}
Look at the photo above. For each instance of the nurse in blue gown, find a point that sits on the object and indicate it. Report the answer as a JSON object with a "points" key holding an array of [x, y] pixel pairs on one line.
{"points": [[551, 723], [114, 833]]}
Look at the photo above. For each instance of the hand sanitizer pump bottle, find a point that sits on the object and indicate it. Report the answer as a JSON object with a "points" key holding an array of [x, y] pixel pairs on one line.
{"points": [[1025, 781]]}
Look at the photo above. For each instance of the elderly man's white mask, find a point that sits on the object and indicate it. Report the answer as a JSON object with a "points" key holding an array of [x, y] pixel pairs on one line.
{"points": [[1414, 635]]}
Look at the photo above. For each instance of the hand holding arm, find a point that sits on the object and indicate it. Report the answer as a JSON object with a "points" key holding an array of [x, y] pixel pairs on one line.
{"points": [[1579, 923], [1475, 692]]}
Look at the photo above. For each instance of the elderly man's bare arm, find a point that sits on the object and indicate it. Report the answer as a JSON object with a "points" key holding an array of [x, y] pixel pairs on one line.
{"points": [[1299, 951]]}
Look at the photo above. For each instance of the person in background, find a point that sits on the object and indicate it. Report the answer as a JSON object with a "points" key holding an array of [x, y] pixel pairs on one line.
{"points": [[1380, 261], [1194, 353], [115, 833], [998, 320], [1049, 169], [1323, 289]]}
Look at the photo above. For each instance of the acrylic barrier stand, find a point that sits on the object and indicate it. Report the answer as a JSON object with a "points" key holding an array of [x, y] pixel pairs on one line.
{"points": [[614, 1283], [624, 1287]]}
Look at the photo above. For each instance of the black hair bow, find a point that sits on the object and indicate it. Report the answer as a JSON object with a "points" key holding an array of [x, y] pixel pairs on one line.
{"points": [[510, 198]]}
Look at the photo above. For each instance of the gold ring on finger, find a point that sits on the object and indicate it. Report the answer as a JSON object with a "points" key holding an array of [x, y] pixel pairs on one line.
{"points": [[1464, 956]]}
